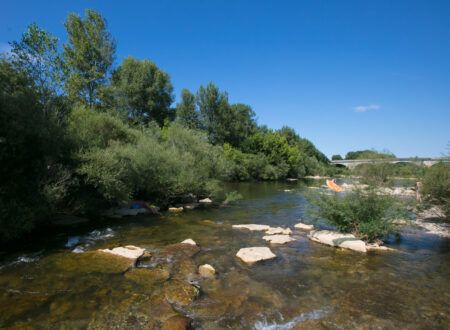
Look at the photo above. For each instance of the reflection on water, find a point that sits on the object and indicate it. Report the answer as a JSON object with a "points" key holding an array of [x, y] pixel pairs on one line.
{"points": [[308, 285]]}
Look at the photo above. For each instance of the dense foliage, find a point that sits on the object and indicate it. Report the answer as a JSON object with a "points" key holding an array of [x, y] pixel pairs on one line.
{"points": [[369, 154], [436, 185], [78, 135], [365, 213], [383, 173]]}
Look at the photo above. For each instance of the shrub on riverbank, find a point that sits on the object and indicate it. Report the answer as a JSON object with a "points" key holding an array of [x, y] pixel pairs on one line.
{"points": [[436, 185], [382, 174], [364, 213]]}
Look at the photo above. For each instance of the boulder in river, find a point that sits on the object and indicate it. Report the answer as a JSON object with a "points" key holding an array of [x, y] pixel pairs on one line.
{"points": [[180, 293], [205, 201], [278, 239], [278, 230], [129, 251], [177, 322], [207, 271], [377, 247], [253, 254], [252, 227], [333, 238], [176, 209], [304, 226], [189, 241]]}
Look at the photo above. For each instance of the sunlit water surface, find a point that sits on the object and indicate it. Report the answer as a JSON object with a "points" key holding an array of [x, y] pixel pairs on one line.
{"points": [[308, 285]]}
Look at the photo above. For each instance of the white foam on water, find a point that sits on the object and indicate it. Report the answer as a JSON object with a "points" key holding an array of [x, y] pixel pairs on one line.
{"points": [[82, 243], [313, 315], [23, 259], [72, 241]]}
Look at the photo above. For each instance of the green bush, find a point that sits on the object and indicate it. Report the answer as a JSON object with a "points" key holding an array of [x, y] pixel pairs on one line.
{"points": [[365, 213], [158, 165], [374, 174], [436, 185]]}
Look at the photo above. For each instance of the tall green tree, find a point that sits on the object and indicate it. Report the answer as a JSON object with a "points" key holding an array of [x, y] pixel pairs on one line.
{"points": [[240, 124], [214, 107], [89, 55], [142, 90], [186, 111], [36, 54]]}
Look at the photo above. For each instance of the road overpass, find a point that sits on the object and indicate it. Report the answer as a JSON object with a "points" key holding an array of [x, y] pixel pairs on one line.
{"points": [[352, 163]]}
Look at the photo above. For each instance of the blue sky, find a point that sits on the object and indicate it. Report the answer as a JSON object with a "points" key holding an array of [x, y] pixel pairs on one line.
{"points": [[347, 75]]}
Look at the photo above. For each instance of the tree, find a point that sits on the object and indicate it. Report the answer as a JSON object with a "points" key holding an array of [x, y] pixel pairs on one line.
{"points": [[186, 111], [336, 157], [239, 124], [142, 90], [213, 105], [89, 55], [29, 143], [37, 55]]}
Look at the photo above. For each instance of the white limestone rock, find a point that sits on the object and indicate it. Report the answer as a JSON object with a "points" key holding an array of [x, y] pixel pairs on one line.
{"points": [[278, 230], [189, 241], [129, 251], [377, 247], [254, 254], [333, 238], [278, 239], [304, 226], [206, 271], [176, 209], [205, 201], [252, 227]]}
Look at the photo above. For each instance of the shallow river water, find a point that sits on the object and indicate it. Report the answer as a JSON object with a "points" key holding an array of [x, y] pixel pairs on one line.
{"points": [[307, 286]]}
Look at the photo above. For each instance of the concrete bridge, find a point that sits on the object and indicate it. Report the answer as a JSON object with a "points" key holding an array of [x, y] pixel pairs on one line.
{"points": [[352, 163]]}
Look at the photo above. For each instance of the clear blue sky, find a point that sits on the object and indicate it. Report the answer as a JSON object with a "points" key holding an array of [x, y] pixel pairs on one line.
{"points": [[347, 75]]}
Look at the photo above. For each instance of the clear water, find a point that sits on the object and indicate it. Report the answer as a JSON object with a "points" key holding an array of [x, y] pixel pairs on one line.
{"points": [[307, 286]]}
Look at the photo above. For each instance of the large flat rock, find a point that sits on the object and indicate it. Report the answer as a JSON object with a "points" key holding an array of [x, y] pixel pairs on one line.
{"points": [[252, 227], [333, 238], [278, 239], [130, 251], [304, 226], [278, 231], [254, 254]]}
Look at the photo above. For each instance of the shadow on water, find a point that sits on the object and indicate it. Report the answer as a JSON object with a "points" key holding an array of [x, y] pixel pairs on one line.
{"points": [[308, 284]]}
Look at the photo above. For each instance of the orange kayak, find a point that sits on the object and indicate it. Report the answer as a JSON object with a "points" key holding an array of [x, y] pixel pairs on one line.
{"points": [[333, 186]]}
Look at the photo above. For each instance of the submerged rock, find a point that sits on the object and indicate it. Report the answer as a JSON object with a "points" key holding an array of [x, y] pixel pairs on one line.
{"points": [[252, 227], [304, 226], [207, 271], [92, 262], [278, 230], [180, 293], [129, 251], [332, 238], [253, 254], [176, 209], [147, 277], [377, 247], [278, 239], [189, 241], [177, 322]]}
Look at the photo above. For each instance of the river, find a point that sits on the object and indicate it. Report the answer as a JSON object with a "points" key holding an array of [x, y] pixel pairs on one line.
{"points": [[307, 286]]}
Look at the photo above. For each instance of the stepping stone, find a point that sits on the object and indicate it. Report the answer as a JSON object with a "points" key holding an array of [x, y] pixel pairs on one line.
{"points": [[254, 254], [252, 227], [278, 230], [278, 239], [304, 226]]}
